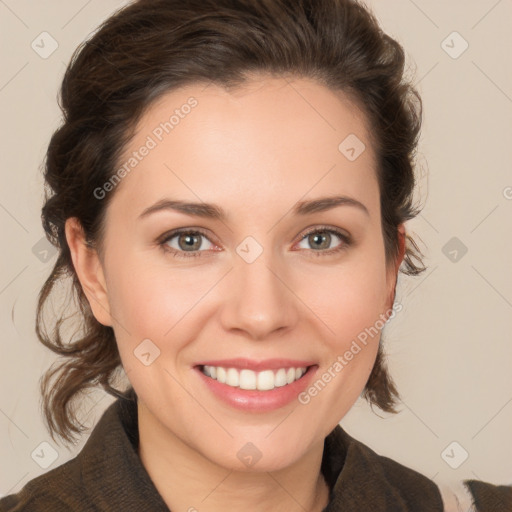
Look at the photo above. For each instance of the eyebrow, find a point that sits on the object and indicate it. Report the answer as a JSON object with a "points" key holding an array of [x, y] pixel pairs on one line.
{"points": [[213, 211]]}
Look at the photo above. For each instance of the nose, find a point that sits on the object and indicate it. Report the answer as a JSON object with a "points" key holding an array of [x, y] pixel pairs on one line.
{"points": [[260, 299]]}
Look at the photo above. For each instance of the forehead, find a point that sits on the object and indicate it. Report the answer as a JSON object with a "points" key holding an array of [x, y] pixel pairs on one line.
{"points": [[271, 137]]}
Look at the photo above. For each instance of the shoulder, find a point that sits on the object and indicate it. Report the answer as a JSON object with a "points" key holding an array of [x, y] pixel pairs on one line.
{"points": [[107, 474], [421, 493], [365, 477], [359, 475], [416, 491], [58, 490], [488, 497], [64, 488]]}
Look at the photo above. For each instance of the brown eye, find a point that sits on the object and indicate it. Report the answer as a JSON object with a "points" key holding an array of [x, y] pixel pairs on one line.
{"points": [[189, 241]]}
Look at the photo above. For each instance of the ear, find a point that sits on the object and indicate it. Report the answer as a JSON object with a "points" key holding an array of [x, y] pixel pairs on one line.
{"points": [[89, 270], [394, 266]]}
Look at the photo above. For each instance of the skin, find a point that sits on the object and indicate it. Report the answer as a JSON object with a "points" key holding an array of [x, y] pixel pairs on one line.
{"points": [[255, 151]]}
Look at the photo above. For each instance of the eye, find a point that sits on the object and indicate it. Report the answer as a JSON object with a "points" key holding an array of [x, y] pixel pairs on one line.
{"points": [[185, 243], [321, 240], [189, 243]]}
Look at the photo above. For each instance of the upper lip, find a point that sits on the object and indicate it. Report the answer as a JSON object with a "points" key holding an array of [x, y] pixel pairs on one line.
{"points": [[249, 364]]}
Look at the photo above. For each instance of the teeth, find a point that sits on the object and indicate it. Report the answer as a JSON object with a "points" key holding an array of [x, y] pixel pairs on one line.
{"points": [[248, 379], [221, 373], [280, 378], [232, 377]]}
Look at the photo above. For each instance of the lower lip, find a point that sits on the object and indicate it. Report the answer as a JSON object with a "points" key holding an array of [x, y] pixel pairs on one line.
{"points": [[258, 401]]}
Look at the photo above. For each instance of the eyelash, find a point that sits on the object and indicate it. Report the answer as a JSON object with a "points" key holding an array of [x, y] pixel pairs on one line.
{"points": [[347, 241]]}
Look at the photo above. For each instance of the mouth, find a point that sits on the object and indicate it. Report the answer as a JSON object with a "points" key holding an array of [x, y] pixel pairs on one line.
{"points": [[247, 379], [256, 386]]}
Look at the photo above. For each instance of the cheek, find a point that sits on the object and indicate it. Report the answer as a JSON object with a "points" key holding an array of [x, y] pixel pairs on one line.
{"points": [[350, 301], [156, 313], [349, 298], [149, 301]]}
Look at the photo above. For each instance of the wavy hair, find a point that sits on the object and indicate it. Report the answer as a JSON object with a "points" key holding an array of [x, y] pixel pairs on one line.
{"points": [[151, 47]]}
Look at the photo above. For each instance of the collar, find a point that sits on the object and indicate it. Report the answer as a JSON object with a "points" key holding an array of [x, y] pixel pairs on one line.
{"points": [[113, 475]]}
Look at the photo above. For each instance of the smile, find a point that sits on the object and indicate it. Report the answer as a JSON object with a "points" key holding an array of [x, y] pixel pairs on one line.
{"points": [[250, 380]]}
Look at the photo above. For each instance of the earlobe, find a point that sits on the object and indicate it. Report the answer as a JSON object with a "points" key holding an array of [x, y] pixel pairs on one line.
{"points": [[401, 247], [89, 270]]}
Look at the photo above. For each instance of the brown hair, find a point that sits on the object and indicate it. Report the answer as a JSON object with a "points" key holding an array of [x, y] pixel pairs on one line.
{"points": [[153, 46]]}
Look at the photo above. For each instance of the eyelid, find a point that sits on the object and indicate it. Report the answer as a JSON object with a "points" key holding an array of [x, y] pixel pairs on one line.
{"points": [[325, 227], [341, 233], [177, 231]]}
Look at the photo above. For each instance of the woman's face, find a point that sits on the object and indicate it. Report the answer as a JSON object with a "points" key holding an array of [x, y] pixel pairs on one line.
{"points": [[253, 285]]}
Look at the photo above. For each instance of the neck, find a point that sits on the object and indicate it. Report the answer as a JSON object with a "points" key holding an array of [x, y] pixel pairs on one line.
{"points": [[187, 480]]}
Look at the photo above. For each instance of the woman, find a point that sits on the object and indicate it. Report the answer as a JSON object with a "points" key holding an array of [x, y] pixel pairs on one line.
{"points": [[228, 192]]}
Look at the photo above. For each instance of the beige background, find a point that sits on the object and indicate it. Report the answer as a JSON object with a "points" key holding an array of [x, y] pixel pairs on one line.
{"points": [[450, 349]]}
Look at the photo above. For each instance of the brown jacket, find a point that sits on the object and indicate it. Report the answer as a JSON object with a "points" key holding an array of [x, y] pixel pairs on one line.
{"points": [[107, 475]]}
